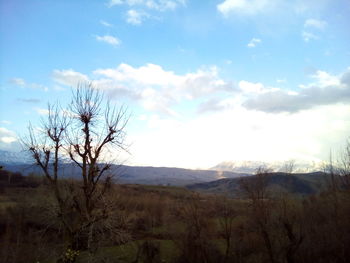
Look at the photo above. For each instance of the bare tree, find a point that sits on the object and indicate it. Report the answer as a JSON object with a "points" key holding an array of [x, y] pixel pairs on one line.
{"points": [[226, 222], [288, 167], [45, 144], [194, 242], [344, 168], [255, 189], [85, 133], [289, 220]]}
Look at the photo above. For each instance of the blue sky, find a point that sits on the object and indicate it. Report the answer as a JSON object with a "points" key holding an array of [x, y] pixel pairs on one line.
{"points": [[205, 81]]}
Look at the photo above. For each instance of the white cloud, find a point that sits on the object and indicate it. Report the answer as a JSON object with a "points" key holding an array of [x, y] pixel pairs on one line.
{"points": [[153, 100], [325, 79], [274, 9], [194, 84], [135, 17], [150, 74], [114, 2], [249, 87], [314, 23], [281, 81], [254, 42], [240, 134], [8, 139], [158, 5], [38, 86], [6, 122], [7, 136], [69, 77], [42, 111], [105, 23], [310, 28], [140, 10], [235, 123], [310, 6], [5, 131], [245, 7], [308, 36], [22, 83], [109, 40], [58, 88], [158, 89], [18, 82], [204, 82], [326, 90], [216, 105], [28, 100]]}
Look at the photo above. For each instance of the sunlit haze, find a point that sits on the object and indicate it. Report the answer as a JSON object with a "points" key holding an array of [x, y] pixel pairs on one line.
{"points": [[204, 81]]}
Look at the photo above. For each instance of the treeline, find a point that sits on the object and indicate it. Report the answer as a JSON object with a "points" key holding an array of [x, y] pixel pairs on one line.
{"points": [[16, 179], [169, 224]]}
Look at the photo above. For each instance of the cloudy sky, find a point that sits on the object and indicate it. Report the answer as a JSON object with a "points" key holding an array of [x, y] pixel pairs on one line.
{"points": [[205, 81]]}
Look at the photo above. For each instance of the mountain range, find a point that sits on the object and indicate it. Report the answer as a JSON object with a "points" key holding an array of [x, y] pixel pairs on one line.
{"points": [[277, 166], [223, 178], [22, 162], [13, 158]]}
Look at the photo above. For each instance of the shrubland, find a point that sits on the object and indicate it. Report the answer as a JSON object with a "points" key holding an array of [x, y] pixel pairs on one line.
{"points": [[173, 224]]}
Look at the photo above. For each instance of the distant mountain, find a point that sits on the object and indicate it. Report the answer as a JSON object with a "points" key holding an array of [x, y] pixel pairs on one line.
{"points": [[223, 178], [124, 174], [170, 176], [137, 174], [13, 158], [251, 166], [300, 184]]}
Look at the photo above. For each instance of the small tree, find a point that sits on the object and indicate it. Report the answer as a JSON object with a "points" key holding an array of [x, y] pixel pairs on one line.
{"points": [[227, 216], [255, 189], [84, 133], [344, 168]]}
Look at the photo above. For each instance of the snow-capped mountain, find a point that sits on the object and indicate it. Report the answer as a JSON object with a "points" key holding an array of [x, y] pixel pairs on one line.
{"points": [[251, 166], [22, 157], [9, 157]]}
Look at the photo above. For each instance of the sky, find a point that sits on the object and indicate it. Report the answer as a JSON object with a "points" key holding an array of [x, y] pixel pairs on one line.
{"points": [[205, 81]]}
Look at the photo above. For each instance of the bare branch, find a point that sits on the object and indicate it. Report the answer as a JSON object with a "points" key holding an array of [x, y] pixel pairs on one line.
{"points": [[91, 127]]}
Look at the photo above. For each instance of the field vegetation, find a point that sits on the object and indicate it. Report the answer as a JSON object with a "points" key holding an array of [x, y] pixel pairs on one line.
{"points": [[173, 224]]}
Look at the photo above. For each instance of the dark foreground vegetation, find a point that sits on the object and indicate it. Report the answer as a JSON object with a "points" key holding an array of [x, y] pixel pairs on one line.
{"points": [[170, 224]]}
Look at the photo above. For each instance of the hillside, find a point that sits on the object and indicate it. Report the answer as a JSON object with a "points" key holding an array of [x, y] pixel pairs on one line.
{"points": [[299, 183], [137, 174]]}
